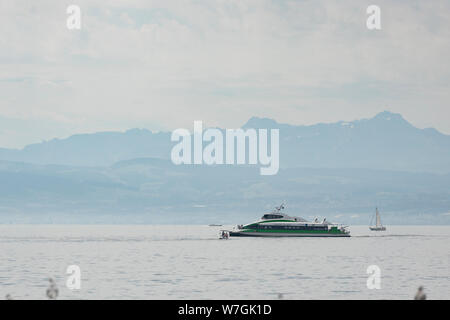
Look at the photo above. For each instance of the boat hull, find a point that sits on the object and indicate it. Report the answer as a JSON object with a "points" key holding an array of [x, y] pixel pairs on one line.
{"points": [[378, 228], [285, 234]]}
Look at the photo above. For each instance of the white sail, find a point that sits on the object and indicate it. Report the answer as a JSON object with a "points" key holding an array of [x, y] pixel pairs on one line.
{"points": [[378, 219]]}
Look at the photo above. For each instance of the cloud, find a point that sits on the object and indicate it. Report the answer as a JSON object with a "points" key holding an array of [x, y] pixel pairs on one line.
{"points": [[171, 63]]}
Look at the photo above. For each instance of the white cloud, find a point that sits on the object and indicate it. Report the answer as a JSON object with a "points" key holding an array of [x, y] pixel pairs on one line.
{"points": [[170, 62]]}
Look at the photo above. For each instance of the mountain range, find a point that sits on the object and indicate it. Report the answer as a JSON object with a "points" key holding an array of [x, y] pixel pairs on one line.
{"points": [[340, 170], [386, 141]]}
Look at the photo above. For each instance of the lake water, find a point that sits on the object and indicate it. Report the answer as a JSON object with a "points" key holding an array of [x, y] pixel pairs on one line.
{"points": [[190, 262]]}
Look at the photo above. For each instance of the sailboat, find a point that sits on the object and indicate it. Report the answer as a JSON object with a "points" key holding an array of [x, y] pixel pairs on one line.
{"points": [[378, 226]]}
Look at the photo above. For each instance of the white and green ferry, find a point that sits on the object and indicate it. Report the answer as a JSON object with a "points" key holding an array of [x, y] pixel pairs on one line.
{"points": [[278, 224]]}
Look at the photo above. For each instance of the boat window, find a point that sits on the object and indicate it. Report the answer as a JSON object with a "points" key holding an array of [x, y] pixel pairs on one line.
{"points": [[284, 227], [272, 216]]}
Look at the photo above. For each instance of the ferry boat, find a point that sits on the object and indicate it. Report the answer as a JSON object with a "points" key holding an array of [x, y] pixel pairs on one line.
{"points": [[278, 224]]}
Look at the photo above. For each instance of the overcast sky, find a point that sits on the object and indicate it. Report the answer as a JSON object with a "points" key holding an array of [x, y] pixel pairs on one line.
{"points": [[163, 64]]}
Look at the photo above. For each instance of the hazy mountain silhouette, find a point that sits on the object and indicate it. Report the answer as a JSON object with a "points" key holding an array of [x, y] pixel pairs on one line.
{"points": [[97, 149], [341, 170], [386, 141], [157, 191]]}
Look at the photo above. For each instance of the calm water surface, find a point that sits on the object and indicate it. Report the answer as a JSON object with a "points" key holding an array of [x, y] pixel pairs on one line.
{"points": [[190, 262]]}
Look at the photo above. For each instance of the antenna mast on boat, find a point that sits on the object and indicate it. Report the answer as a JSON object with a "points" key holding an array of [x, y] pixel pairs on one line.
{"points": [[279, 208]]}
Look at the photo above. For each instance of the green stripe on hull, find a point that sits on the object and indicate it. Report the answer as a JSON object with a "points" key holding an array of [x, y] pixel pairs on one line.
{"points": [[332, 231], [288, 234]]}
